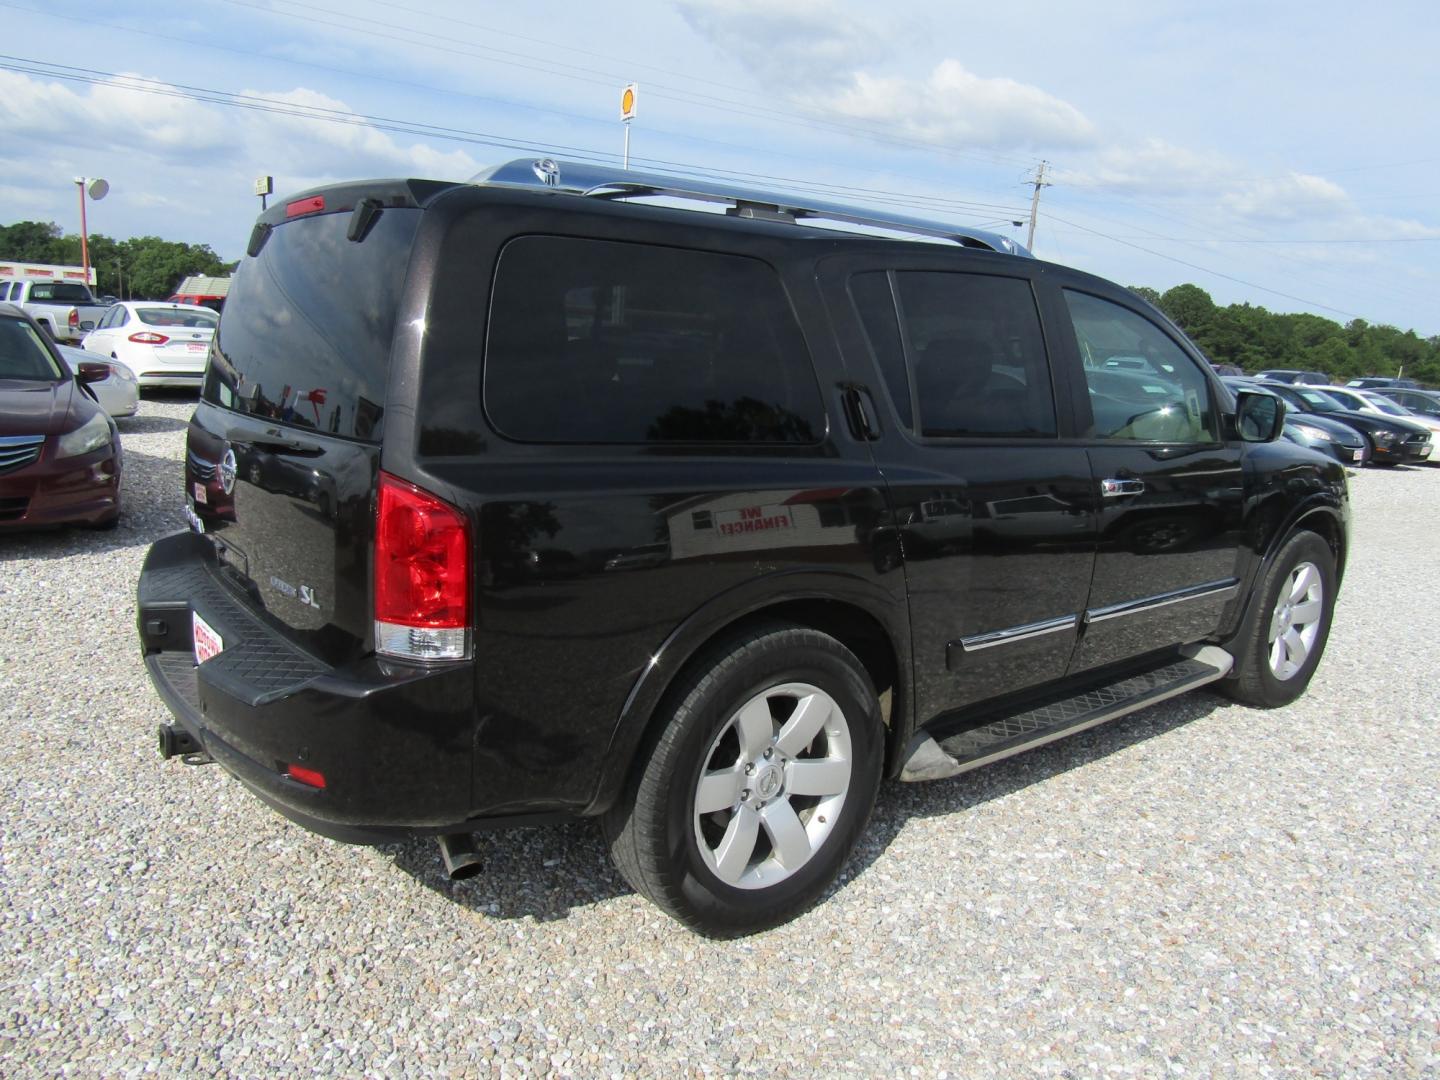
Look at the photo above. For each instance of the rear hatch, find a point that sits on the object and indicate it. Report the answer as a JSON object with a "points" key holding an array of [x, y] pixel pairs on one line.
{"points": [[284, 448]]}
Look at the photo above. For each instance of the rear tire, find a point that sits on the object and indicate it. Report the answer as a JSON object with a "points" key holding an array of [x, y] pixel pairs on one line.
{"points": [[1277, 652], [746, 804]]}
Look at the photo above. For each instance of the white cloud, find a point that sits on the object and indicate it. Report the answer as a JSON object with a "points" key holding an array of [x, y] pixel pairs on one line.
{"points": [[1292, 197], [954, 105], [316, 151], [787, 43]]}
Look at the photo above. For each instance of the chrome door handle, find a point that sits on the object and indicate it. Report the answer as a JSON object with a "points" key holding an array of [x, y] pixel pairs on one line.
{"points": [[1112, 488]]}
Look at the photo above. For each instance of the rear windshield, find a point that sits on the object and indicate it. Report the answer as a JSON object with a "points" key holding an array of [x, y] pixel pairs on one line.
{"points": [[61, 293], [156, 316], [306, 332], [22, 355]]}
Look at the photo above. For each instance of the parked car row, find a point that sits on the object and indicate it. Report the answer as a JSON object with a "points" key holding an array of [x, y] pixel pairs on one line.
{"points": [[1358, 427]]}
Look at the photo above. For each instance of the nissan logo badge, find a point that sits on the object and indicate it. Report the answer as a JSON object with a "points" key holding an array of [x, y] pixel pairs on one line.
{"points": [[227, 471]]}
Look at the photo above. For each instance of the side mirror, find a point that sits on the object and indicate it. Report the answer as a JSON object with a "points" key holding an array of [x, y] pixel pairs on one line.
{"points": [[1259, 416], [92, 373]]}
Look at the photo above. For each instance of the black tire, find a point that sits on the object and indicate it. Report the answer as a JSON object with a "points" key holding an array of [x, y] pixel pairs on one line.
{"points": [[653, 831], [1255, 682]]}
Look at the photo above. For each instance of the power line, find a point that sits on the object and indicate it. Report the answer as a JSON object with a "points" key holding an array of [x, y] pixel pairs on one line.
{"points": [[345, 20], [1203, 269], [212, 96], [370, 77]]}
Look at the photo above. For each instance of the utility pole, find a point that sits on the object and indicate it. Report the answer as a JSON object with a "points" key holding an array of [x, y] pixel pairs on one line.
{"points": [[1039, 182]]}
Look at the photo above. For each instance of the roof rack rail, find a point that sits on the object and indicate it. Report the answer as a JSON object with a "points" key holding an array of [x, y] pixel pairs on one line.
{"points": [[604, 182]]}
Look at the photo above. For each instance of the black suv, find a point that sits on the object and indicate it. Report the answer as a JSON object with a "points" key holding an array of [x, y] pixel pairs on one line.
{"points": [[521, 500]]}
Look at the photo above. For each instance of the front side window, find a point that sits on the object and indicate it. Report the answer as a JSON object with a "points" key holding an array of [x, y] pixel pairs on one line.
{"points": [[595, 341], [978, 355], [1142, 386]]}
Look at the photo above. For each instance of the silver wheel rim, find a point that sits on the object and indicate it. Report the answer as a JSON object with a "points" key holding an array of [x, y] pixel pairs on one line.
{"points": [[772, 786], [1295, 622]]}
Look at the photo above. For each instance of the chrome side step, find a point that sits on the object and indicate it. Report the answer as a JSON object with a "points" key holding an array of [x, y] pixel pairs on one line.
{"points": [[929, 759]]}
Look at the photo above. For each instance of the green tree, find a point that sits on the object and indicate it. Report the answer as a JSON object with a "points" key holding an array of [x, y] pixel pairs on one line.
{"points": [[154, 267], [31, 241], [1193, 311]]}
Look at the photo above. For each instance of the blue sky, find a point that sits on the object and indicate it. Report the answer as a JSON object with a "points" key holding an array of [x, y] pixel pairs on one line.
{"points": [[1282, 154]]}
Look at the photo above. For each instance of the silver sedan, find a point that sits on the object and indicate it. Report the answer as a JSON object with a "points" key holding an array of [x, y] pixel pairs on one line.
{"points": [[117, 391]]}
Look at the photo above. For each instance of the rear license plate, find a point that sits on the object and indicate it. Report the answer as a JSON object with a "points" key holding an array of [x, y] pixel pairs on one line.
{"points": [[202, 499], [196, 346], [208, 643]]}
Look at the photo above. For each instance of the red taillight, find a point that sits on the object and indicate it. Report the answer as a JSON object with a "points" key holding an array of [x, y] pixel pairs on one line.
{"points": [[145, 337], [309, 777], [422, 574], [312, 205], [74, 319]]}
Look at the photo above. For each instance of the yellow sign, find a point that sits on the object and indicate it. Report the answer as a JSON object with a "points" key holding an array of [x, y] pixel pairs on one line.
{"points": [[627, 102]]}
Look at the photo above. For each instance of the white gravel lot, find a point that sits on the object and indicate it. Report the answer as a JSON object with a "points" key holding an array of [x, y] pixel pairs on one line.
{"points": [[1198, 890]]}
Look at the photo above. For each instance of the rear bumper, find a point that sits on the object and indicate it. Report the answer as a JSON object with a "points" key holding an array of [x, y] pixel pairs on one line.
{"points": [[171, 379], [74, 491], [393, 741]]}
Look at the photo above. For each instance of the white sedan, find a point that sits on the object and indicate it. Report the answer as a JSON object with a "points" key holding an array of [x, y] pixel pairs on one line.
{"points": [[164, 344], [117, 391], [1377, 404]]}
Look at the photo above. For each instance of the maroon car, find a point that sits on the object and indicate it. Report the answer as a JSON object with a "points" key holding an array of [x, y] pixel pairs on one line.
{"points": [[59, 452]]}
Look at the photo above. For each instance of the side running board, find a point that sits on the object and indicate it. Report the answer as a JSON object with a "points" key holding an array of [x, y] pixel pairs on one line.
{"points": [[927, 759]]}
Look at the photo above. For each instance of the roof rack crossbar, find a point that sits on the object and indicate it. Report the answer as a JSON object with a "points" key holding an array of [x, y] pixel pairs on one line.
{"points": [[602, 182]]}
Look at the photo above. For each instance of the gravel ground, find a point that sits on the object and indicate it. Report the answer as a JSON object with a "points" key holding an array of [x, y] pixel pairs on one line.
{"points": [[1197, 890]]}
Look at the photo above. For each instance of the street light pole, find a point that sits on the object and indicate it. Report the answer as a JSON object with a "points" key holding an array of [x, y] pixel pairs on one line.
{"points": [[97, 190], [84, 231]]}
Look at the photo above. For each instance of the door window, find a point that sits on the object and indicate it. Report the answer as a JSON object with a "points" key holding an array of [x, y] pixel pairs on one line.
{"points": [[977, 354], [1142, 386]]}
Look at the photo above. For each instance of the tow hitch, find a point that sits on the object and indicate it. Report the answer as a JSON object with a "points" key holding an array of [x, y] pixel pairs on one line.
{"points": [[175, 741]]}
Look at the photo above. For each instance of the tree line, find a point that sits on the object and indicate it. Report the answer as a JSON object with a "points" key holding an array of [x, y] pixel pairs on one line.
{"points": [[1254, 339], [142, 267]]}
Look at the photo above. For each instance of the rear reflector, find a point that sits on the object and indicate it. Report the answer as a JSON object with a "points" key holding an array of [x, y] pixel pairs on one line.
{"points": [[145, 337], [422, 575], [312, 205], [309, 777]]}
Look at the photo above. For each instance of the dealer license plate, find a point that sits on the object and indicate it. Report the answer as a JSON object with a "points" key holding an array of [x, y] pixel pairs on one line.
{"points": [[200, 496], [1425, 451], [197, 346], [208, 643], [1355, 455]]}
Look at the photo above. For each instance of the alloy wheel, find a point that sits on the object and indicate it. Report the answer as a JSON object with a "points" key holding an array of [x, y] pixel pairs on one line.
{"points": [[1295, 622], [773, 785]]}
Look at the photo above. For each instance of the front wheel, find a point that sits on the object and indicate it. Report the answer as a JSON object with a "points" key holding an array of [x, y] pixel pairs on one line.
{"points": [[756, 790], [1281, 645]]}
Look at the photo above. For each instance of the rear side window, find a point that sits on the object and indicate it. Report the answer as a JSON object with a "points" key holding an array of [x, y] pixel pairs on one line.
{"points": [[308, 325], [594, 341], [978, 355], [875, 304]]}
